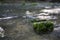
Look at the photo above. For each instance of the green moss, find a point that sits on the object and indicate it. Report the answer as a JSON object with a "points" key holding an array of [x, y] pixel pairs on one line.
{"points": [[43, 27], [34, 4], [36, 20]]}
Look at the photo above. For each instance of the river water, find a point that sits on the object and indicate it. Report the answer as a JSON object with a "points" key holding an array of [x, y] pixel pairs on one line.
{"points": [[18, 28]]}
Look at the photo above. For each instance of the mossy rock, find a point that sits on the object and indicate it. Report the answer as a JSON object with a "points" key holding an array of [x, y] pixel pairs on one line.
{"points": [[43, 27]]}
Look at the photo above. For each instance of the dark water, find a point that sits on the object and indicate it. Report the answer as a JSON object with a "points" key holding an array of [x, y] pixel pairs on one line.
{"points": [[19, 28]]}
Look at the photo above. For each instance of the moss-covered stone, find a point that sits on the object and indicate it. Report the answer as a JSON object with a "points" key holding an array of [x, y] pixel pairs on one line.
{"points": [[43, 27]]}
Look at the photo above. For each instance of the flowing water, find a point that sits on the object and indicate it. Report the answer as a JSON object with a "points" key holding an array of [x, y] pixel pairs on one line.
{"points": [[18, 28]]}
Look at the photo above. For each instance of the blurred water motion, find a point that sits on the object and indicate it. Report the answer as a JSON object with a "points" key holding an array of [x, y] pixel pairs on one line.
{"points": [[19, 29], [52, 11], [2, 32], [40, 16], [8, 17]]}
